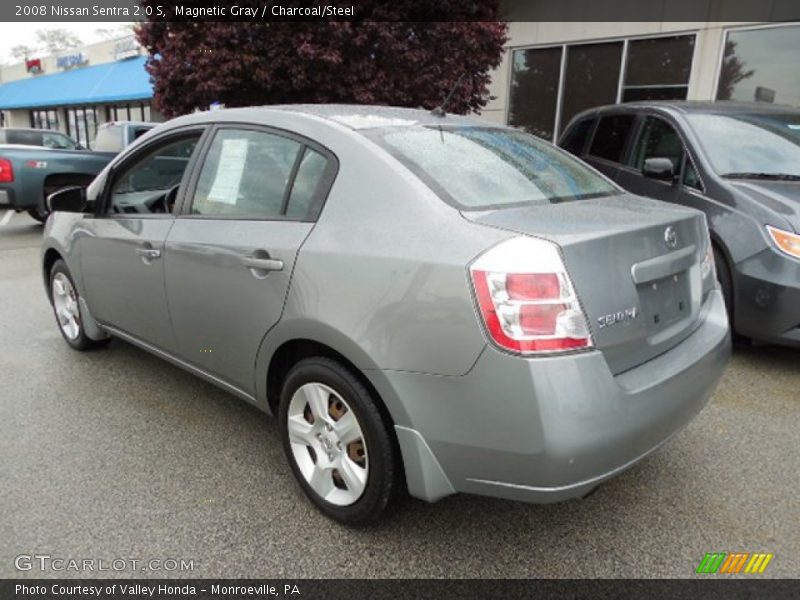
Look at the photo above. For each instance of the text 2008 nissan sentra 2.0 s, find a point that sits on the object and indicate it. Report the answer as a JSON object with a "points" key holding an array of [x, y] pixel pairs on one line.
{"points": [[424, 301]]}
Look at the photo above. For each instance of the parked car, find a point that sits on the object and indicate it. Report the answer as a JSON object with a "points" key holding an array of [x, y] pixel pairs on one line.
{"points": [[737, 162], [38, 137], [116, 135], [29, 174], [424, 301]]}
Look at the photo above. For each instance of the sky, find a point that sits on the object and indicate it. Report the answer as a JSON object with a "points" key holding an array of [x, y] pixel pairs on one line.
{"points": [[14, 34]]}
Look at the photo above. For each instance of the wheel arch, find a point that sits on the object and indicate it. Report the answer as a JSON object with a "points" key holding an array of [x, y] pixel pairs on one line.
{"points": [[720, 246], [423, 475], [50, 257], [291, 350]]}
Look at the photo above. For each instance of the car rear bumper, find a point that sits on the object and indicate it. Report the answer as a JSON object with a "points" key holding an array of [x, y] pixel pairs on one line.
{"points": [[548, 429], [6, 198], [767, 298]]}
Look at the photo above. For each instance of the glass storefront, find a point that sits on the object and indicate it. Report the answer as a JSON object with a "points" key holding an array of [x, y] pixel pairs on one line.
{"points": [[82, 121], [761, 65], [44, 119], [138, 111], [551, 85], [82, 124]]}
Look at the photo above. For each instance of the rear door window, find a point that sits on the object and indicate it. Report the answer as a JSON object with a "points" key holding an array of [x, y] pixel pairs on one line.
{"points": [[307, 184], [245, 174], [574, 140], [611, 136], [253, 174]]}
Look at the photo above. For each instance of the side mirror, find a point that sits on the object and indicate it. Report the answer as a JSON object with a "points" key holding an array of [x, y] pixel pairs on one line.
{"points": [[68, 199], [659, 168]]}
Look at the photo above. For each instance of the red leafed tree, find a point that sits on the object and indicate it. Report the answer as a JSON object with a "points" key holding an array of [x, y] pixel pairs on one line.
{"points": [[194, 64]]}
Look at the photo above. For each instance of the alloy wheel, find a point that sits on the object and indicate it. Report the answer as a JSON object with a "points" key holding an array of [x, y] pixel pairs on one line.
{"points": [[328, 444], [65, 303]]}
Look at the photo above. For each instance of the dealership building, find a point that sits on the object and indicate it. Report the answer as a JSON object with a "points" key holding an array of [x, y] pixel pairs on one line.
{"points": [[76, 90], [553, 70], [550, 71]]}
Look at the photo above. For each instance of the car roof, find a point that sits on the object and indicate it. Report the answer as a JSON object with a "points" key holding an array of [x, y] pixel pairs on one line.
{"points": [[134, 123], [695, 107], [353, 116]]}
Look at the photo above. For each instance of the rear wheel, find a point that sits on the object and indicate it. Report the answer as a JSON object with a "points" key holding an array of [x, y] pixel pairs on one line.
{"points": [[66, 307], [40, 214], [338, 445]]}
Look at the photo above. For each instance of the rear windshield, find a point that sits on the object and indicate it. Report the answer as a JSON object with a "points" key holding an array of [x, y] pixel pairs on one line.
{"points": [[475, 168], [26, 138]]}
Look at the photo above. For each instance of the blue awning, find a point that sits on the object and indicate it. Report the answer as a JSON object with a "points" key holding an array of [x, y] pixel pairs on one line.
{"points": [[120, 81]]}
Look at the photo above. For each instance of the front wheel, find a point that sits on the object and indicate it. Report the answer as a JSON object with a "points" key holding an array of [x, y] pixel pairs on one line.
{"points": [[66, 307], [338, 444], [726, 287]]}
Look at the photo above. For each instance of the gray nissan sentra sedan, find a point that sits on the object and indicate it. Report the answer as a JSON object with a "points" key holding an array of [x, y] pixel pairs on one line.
{"points": [[425, 302]]}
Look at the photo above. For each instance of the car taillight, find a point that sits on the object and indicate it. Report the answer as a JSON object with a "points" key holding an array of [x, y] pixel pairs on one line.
{"points": [[526, 298], [6, 171], [786, 241]]}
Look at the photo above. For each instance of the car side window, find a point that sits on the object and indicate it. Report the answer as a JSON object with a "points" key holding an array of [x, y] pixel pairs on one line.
{"points": [[658, 140], [246, 174], [307, 184], [690, 176], [611, 135], [574, 140], [24, 137], [150, 185]]}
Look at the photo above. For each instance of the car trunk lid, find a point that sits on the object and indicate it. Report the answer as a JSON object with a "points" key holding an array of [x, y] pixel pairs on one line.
{"points": [[635, 264]]}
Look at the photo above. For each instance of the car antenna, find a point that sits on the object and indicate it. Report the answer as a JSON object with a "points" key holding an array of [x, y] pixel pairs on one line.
{"points": [[439, 110]]}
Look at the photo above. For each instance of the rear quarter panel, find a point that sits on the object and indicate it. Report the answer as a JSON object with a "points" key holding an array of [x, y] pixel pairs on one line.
{"points": [[382, 278]]}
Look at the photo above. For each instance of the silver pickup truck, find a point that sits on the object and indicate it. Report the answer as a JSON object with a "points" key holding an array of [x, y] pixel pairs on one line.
{"points": [[35, 163]]}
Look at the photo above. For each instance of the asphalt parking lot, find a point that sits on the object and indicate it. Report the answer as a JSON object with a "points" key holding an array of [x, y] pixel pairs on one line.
{"points": [[116, 453]]}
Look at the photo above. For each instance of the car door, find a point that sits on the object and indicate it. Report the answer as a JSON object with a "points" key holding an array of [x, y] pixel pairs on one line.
{"points": [[230, 254], [657, 138], [122, 254]]}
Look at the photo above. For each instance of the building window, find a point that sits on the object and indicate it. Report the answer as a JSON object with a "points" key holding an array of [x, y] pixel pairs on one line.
{"points": [[549, 86], [44, 119], [591, 78], [129, 112], [82, 124], [658, 68], [761, 65], [534, 90]]}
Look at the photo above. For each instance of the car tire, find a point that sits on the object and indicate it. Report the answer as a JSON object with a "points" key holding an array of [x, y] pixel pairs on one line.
{"points": [[351, 484], [64, 299], [726, 287], [39, 214]]}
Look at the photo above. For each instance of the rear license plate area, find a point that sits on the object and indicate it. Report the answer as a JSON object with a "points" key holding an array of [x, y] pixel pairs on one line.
{"points": [[665, 301]]}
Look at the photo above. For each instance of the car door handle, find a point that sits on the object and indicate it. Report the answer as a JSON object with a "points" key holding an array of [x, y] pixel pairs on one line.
{"points": [[148, 253], [262, 264]]}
